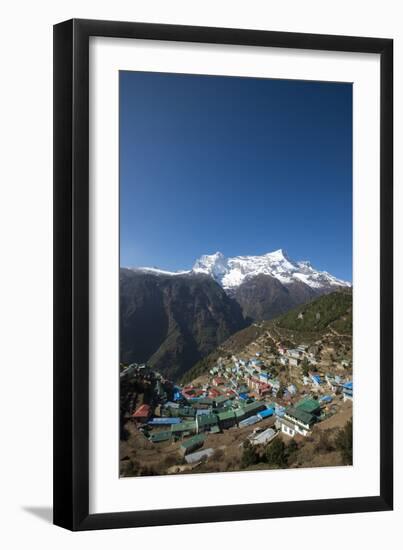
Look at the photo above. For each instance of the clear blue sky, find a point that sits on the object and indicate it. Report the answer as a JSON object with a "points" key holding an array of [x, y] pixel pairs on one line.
{"points": [[240, 165]]}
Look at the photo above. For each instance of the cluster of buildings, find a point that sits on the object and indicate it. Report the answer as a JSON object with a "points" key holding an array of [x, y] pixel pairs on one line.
{"points": [[294, 357], [239, 393], [246, 378], [198, 416]]}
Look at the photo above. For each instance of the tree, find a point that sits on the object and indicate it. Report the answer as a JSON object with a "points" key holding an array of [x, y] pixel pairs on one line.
{"points": [[325, 443], [249, 455], [291, 450], [129, 468], [344, 442], [275, 453], [280, 392]]}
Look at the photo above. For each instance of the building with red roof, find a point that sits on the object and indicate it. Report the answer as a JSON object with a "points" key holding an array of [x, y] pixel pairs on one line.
{"points": [[142, 414]]}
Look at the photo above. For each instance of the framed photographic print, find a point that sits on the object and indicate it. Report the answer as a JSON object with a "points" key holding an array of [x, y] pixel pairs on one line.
{"points": [[223, 321]]}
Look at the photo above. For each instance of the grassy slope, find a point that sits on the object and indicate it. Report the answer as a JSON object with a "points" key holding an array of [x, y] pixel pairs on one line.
{"points": [[332, 310]]}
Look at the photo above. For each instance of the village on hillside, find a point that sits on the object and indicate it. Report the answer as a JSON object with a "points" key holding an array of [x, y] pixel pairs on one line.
{"points": [[271, 405]]}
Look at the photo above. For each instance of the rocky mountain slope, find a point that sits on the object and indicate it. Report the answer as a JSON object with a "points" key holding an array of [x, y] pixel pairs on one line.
{"points": [[172, 322], [264, 297]]}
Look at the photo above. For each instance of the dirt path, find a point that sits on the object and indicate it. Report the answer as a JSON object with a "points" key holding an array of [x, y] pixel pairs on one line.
{"points": [[335, 333]]}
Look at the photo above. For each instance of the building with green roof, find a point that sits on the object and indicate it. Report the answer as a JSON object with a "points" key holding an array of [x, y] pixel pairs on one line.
{"points": [[221, 400], [249, 409], [158, 437], [311, 406], [215, 429], [184, 428], [299, 414], [296, 421], [185, 412], [206, 421], [227, 418], [207, 401], [192, 444]]}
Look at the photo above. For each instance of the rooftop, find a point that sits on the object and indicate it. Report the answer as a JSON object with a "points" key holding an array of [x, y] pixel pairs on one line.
{"points": [[195, 440], [254, 406], [221, 399], [300, 415], [207, 419], [183, 427], [199, 455], [226, 415], [160, 436], [143, 410], [164, 420], [308, 405], [264, 437], [266, 413], [185, 411]]}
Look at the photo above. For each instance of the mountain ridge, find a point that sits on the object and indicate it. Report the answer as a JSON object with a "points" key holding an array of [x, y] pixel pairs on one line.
{"points": [[232, 272], [173, 319]]}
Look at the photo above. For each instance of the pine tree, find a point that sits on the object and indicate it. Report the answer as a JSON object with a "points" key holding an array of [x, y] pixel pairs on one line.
{"points": [[275, 453], [344, 442]]}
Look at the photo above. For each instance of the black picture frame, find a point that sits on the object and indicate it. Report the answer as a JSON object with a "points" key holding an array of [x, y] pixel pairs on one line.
{"points": [[71, 274]]}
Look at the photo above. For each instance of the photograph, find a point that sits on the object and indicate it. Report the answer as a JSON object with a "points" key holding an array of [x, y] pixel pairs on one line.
{"points": [[235, 274]]}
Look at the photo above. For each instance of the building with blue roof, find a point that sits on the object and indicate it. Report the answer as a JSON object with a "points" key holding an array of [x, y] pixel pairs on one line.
{"points": [[326, 399], [266, 413], [249, 421], [315, 379], [177, 396], [164, 421], [347, 391]]}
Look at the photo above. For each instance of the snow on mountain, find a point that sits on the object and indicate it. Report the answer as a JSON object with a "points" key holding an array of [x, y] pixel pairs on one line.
{"points": [[215, 265], [157, 271], [231, 272]]}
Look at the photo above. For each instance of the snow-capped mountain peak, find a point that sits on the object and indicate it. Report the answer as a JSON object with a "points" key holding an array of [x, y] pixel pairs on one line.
{"points": [[277, 255], [231, 272], [212, 264]]}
